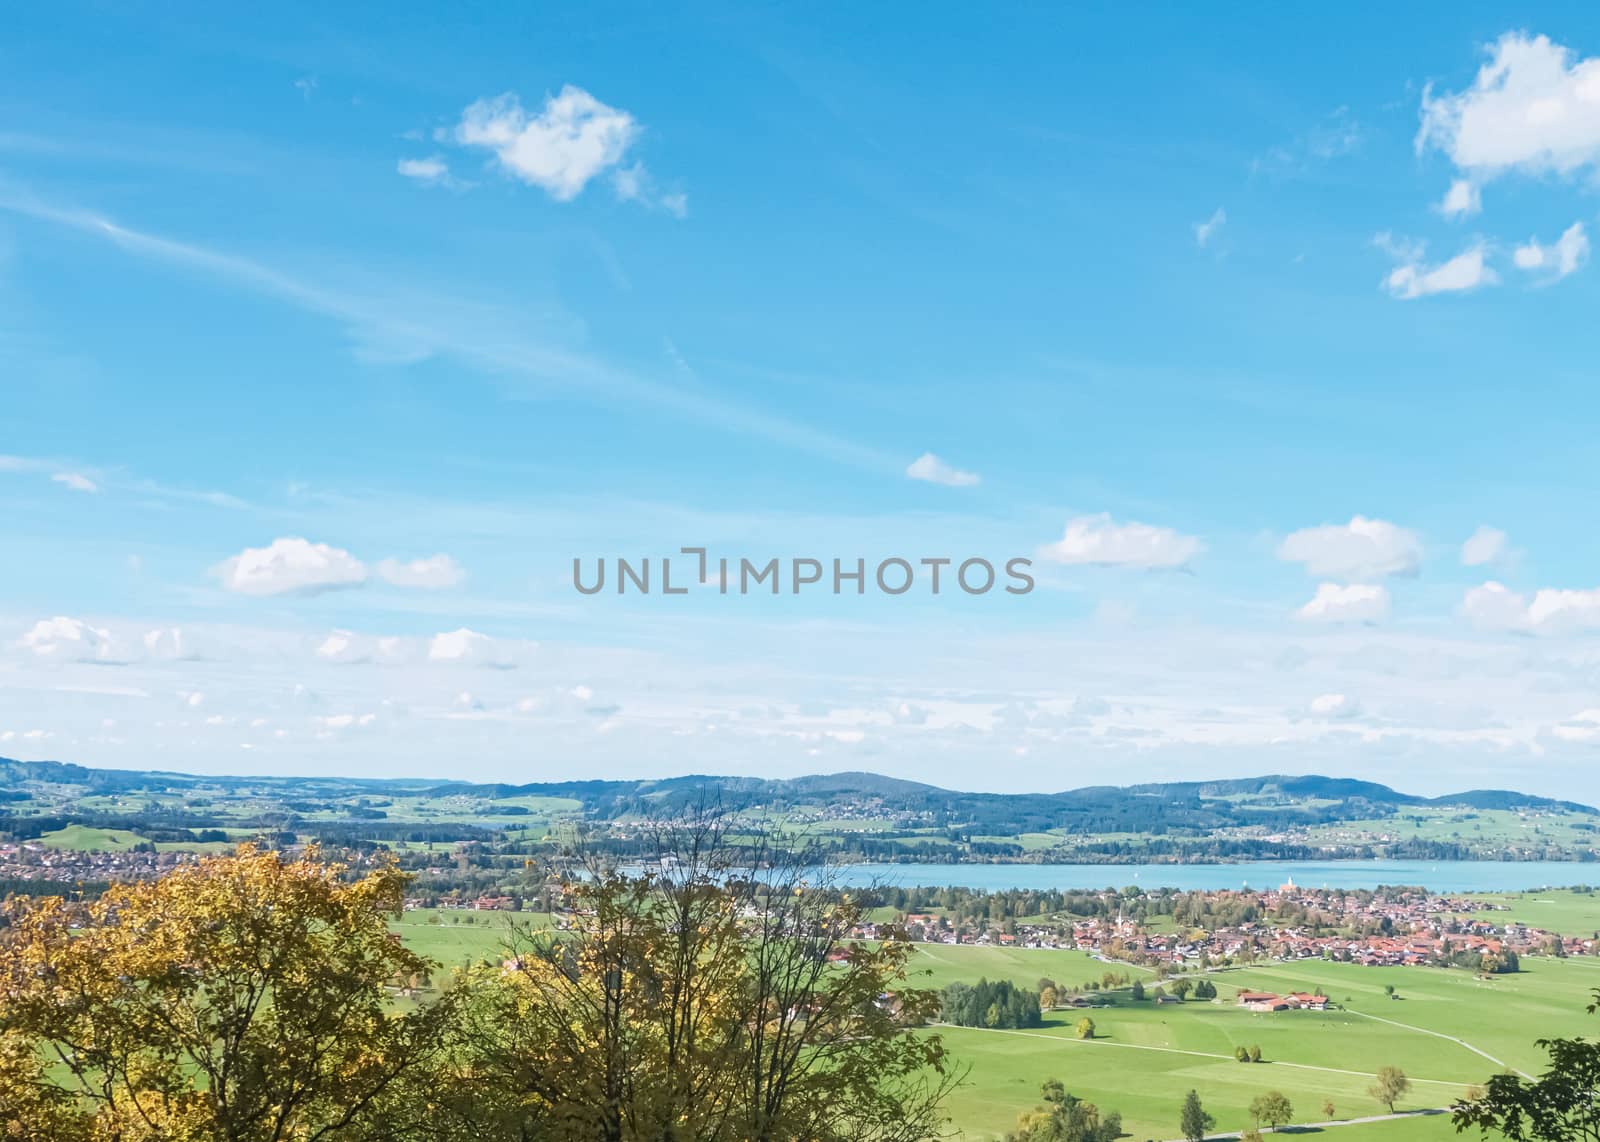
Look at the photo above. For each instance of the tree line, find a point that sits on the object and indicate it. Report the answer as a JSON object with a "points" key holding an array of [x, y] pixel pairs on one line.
{"points": [[261, 997]]}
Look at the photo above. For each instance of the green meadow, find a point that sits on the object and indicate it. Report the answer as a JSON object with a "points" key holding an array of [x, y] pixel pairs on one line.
{"points": [[1446, 1028]]}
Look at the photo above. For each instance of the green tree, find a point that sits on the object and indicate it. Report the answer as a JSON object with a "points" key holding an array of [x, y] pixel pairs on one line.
{"points": [[1390, 1087], [1137, 991], [1181, 988], [1242, 1054], [1562, 1104], [1194, 1122], [1272, 1108]]}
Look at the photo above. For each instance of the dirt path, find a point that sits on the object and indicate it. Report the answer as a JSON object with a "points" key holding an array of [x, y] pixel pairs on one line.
{"points": [[1307, 1127], [1440, 1035]]}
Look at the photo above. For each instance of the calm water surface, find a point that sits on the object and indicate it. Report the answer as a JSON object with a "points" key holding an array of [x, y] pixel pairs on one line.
{"points": [[1440, 876]]}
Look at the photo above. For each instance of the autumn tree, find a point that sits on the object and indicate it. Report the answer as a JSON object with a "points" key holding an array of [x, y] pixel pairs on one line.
{"points": [[1391, 1086], [32, 1104], [1272, 1108], [1065, 1118], [1085, 1028], [697, 1002], [240, 998]]}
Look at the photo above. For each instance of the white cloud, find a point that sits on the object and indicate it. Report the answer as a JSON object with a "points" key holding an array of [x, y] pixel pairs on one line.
{"points": [[1210, 228], [76, 481], [64, 639], [635, 184], [469, 648], [1564, 256], [431, 171], [1413, 278], [432, 573], [1099, 541], [1461, 200], [1335, 706], [1552, 610], [1486, 545], [291, 565], [168, 643], [1363, 550], [935, 471], [345, 647], [571, 140], [345, 721], [1534, 107], [1355, 603], [1583, 726]]}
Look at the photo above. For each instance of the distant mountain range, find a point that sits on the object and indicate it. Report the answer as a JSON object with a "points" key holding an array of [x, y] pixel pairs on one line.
{"points": [[1186, 807]]}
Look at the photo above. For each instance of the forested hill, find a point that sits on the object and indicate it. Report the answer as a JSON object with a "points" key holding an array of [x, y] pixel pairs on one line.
{"points": [[1188, 808]]}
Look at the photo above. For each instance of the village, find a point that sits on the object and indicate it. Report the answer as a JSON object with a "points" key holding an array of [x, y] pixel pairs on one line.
{"points": [[1400, 928]]}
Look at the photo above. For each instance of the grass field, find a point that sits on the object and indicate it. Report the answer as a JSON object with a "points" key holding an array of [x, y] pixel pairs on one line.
{"points": [[81, 838], [1559, 910], [1448, 1029], [1146, 1057], [454, 938]]}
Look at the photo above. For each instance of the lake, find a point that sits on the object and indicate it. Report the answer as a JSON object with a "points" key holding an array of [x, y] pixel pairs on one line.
{"points": [[1439, 876]]}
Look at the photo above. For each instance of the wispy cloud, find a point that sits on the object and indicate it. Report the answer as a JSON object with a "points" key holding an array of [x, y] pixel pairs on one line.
{"points": [[930, 468], [401, 329], [1206, 232], [77, 481]]}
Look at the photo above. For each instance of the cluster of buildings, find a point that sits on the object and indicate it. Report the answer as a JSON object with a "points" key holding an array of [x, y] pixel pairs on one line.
{"points": [[1390, 929], [31, 861]]}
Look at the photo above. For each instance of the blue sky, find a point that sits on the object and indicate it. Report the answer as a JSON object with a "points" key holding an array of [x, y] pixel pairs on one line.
{"points": [[1240, 330]]}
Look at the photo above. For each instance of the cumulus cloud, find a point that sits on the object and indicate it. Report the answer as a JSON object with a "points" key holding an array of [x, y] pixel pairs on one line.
{"points": [[1461, 200], [169, 643], [63, 639], [1205, 231], [1564, 256], [935, 471], [1552, 610], [571, 140], [1098, 540], [1361, 550], [1486, 545], [1533, 107], [1583, 726], [291, 565], [1335, 706], [469, 648], [76, 481], [432, 573], [1355, 603], [1412, 277], [343, 647]]}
